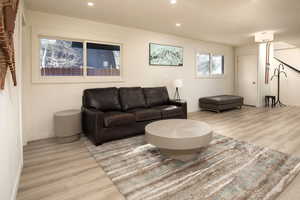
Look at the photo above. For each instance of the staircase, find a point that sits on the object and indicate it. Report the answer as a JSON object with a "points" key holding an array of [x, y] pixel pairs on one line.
{"points": [[287, 65], [289, 87]]}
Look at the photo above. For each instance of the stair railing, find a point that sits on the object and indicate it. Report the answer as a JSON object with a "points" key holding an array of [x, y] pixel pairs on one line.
{"points": [[289, 66]]}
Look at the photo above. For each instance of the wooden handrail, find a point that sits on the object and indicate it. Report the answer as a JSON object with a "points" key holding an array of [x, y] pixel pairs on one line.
{"points": [[289, 66]]}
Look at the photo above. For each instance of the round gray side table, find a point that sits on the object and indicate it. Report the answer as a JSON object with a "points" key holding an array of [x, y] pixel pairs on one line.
{"points": [[67, 125]]}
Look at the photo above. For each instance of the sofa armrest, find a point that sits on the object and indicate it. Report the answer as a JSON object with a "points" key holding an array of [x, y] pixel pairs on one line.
{"points": [[92, 123], [180, 103]]}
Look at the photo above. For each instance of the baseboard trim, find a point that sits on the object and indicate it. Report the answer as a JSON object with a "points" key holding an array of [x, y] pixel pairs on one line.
{"points": [[17, 182]]}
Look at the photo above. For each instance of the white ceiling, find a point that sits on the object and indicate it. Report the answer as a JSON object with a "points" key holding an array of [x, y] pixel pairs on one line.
{"points": [[230, 22]]}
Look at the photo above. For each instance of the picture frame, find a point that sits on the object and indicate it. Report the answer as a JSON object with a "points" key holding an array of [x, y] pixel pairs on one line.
{"points": [[165, 55]]}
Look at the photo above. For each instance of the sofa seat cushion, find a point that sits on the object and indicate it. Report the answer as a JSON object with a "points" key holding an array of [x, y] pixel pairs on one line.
{"points": [[169, 111], [146, 114], [221, 99], [112, 119], [132, 98], [104, 99], [156, 96]]}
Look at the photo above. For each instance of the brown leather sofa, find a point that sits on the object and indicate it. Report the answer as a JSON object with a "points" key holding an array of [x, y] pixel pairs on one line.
{"points": [[112, 113]]}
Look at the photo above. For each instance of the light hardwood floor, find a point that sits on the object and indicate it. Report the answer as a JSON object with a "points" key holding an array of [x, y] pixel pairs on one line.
{"points": [[63, 172], [67, 171]]}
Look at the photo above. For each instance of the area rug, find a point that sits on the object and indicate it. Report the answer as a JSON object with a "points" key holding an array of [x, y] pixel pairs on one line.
{"points": [[227, 169]]}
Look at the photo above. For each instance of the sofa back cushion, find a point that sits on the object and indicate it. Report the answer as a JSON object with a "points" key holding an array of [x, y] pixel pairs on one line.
{"points": [[131, 98], [156, 96], [104, 99]]}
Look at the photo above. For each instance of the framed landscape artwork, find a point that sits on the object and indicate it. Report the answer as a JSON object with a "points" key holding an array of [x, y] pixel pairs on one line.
{"points": [[165, 55]]}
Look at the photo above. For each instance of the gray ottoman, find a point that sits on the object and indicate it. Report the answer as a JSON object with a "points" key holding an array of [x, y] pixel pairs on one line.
{"points": [[67, 125], [221, 102]]}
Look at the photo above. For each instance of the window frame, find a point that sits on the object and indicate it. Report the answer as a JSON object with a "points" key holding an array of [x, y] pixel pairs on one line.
{"points": [[210, 75], [223, 64], [36, 71], [85, 57]]}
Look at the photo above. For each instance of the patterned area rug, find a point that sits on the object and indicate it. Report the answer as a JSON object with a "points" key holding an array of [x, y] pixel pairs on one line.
{"points": [[226, 170]]}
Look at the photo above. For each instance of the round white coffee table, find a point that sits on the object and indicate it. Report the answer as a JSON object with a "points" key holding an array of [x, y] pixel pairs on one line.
{"points": [[179, 138]]}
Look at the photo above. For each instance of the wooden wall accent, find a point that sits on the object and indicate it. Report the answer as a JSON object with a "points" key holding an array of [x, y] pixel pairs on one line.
{"points": [[8, 13]]}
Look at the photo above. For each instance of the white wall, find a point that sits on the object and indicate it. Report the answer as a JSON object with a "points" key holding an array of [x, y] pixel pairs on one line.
{"points": [[290, 94], [42, 100], [10, 129]]}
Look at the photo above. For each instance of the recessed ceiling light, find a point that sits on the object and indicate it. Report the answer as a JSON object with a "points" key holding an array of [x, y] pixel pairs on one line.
{"points": [[90, 4], [173, 1], [178, 24]]}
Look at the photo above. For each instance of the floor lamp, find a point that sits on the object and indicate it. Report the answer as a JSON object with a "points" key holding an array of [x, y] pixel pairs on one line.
{"points": [[178, 83]]}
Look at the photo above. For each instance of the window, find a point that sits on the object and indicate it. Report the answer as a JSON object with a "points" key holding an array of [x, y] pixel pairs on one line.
{"points": [[78, 58], [203, 64], [209, 65], [61, 58], [217, 67], [103, 60]]}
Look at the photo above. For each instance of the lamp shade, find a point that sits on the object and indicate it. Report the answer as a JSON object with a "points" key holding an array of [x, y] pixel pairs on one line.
{"points": [[178, 83]]}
